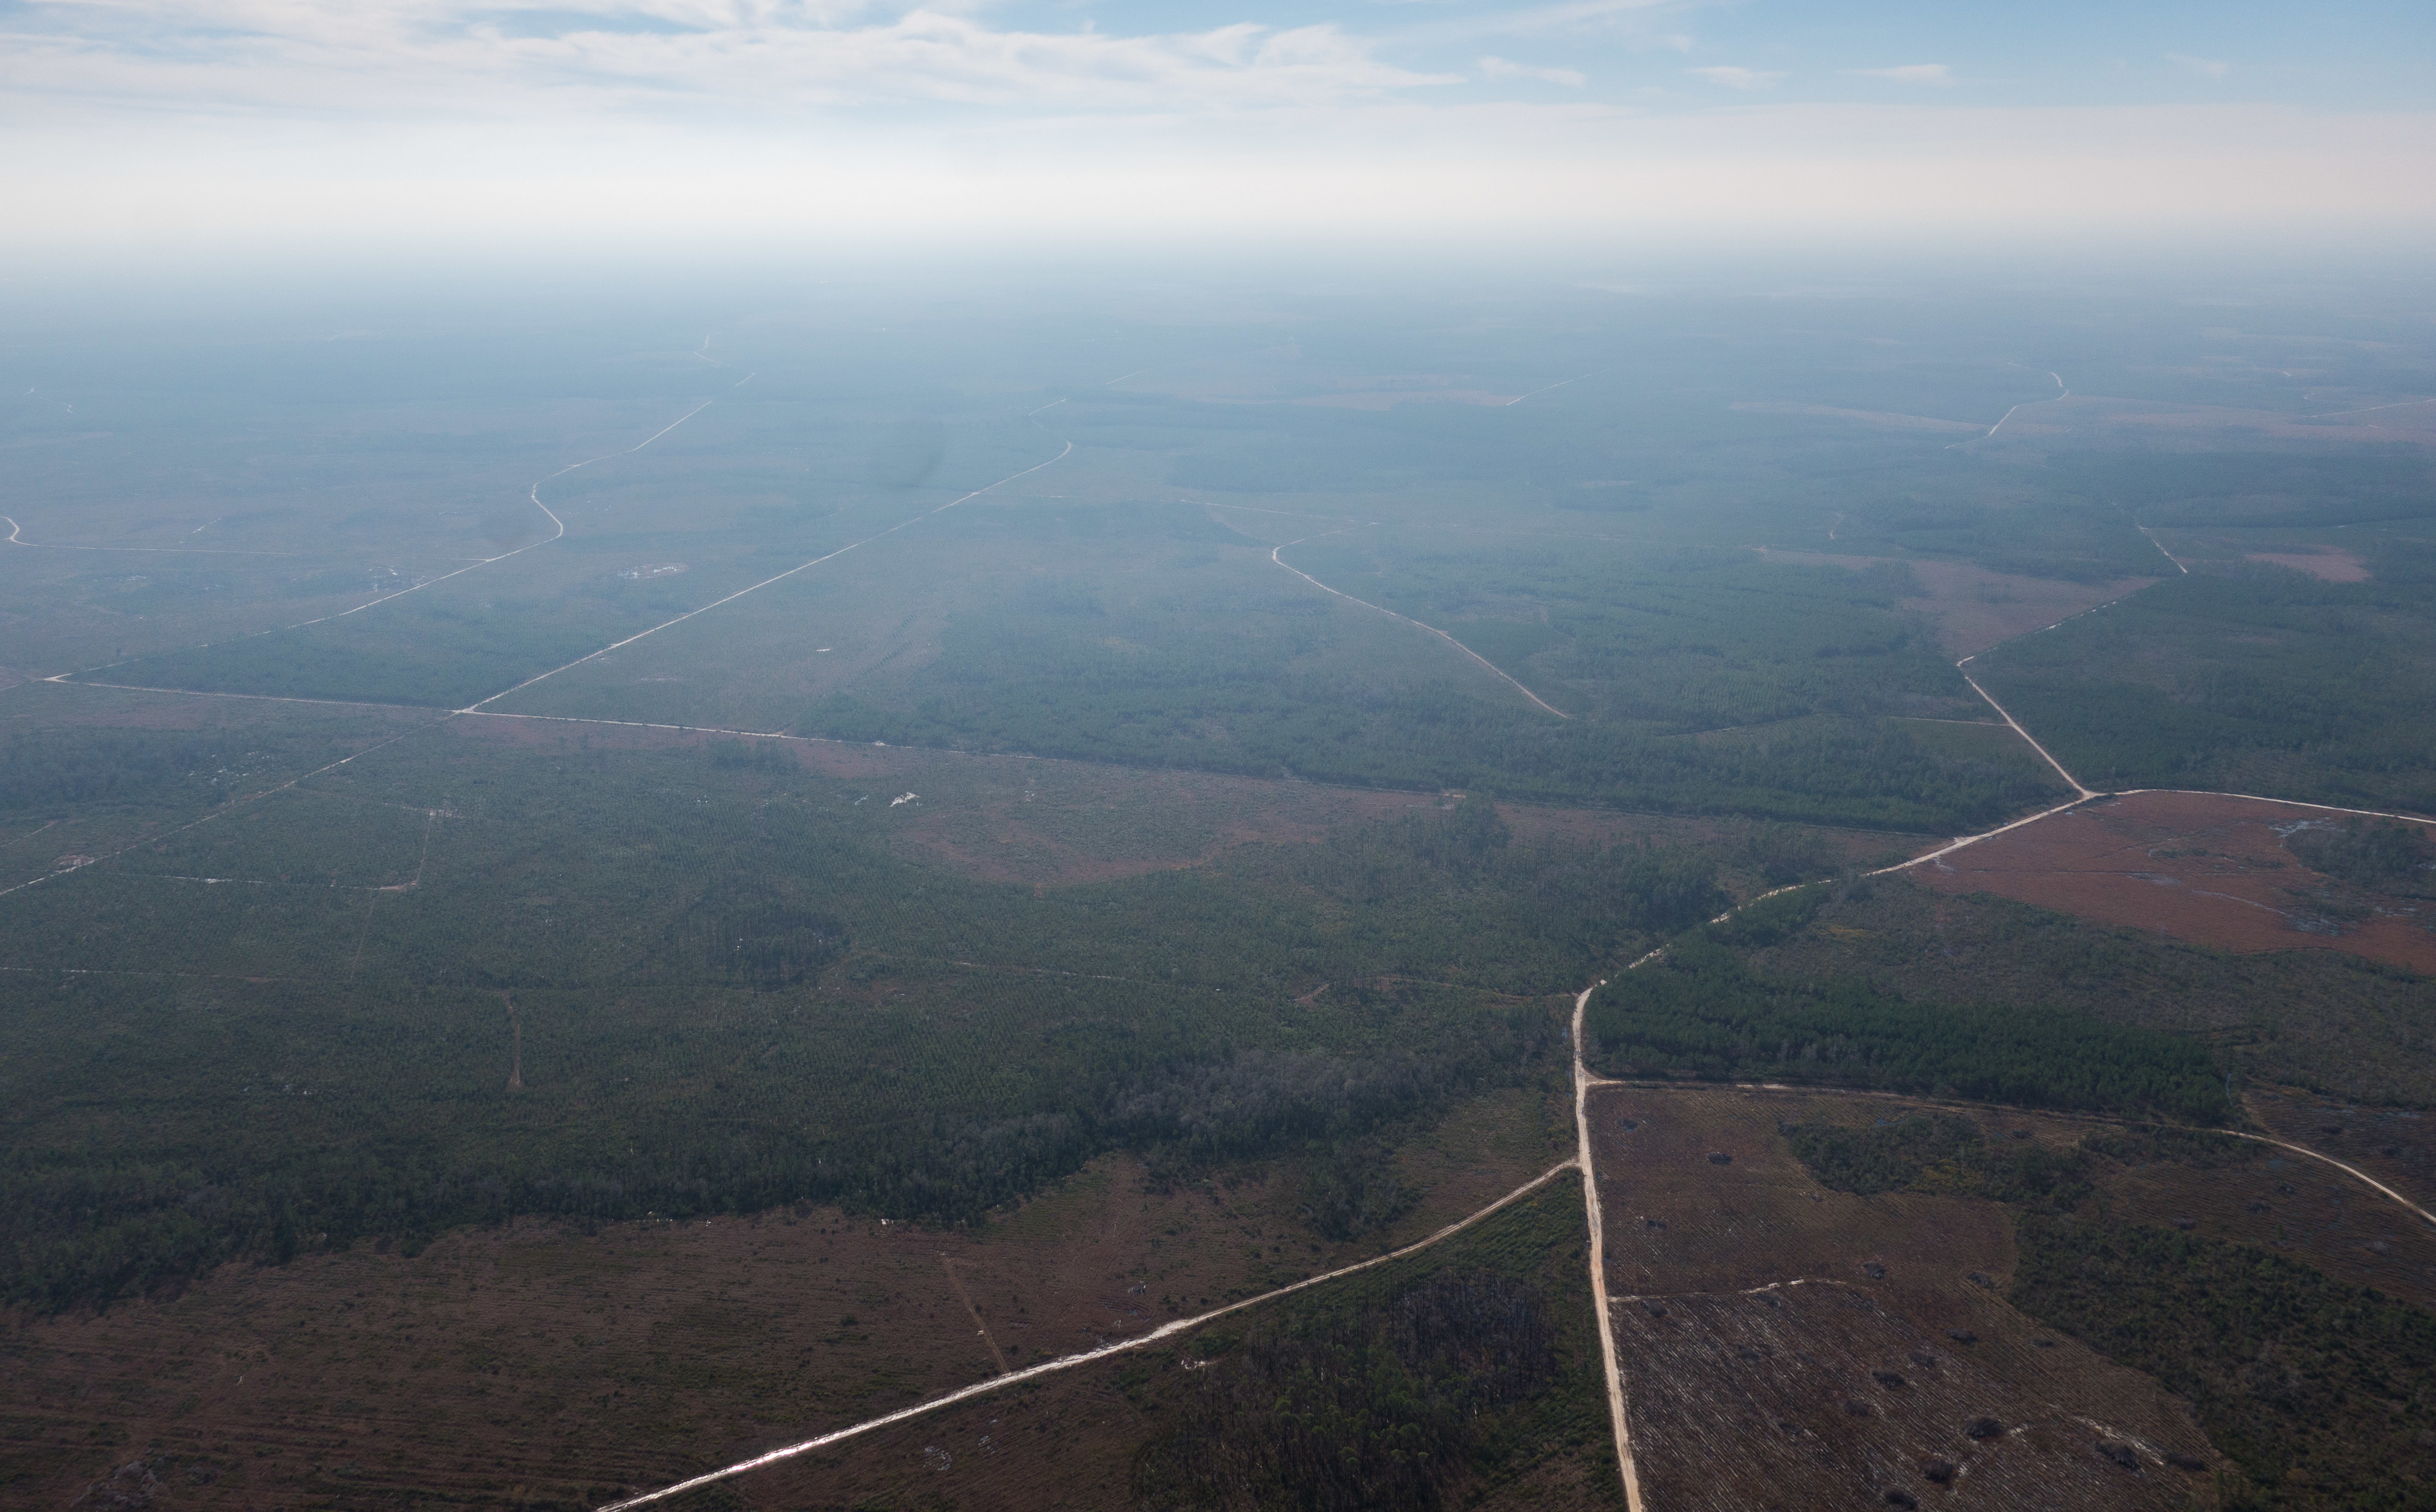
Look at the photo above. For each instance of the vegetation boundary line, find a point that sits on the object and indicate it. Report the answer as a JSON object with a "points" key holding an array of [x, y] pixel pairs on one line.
{"points": [[1435, 525], [1165, 1331]]}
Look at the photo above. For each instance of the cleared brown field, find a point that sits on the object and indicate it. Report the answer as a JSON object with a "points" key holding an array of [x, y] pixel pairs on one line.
{"points": [[1788, 1347], [2198, 867], [538, 1365]]}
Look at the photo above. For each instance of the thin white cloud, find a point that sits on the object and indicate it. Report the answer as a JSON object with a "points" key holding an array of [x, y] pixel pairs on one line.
{"points": [[1937, 74], [1731, 77], [1502, 68], [2209, 67], [1633, 22], [476, 57], [1580, 15]]}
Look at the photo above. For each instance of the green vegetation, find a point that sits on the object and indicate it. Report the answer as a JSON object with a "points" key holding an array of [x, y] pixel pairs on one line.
{"points": [[735, 998], [2317, 1390], [492, 970], [1237, 668], [2265, 680], [1940, 1152], [1453, 1372], [1702, 1010], [112, 767], [1667, 642], [2378, 854], [2313, 486], [2333, 1022], [2200, 1149]]}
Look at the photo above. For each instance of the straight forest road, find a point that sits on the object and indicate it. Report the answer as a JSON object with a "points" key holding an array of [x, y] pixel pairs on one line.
{"points": [[1583, 1158], [1165, 1331], [557, 531], [1583, 1081], [1494, 669]]}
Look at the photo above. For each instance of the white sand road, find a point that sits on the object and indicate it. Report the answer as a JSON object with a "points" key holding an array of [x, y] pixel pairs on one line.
{"points": [[1584, 1082], [1165, 1331]]}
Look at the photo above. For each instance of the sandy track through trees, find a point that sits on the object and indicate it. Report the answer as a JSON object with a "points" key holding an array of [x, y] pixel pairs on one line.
{"points": [[1499, 672], [1614, 1372], [558, 531], [805, 567], [74, 680], [1584, 1082], [1165, 1331], [2351, 1171], [2045, 754]]}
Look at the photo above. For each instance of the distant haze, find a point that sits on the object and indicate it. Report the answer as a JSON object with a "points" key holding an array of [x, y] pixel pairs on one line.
{"points": [[158, 130]]}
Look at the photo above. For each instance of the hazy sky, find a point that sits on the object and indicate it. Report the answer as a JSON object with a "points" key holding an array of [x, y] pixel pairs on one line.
{"points": [[132, 122]]}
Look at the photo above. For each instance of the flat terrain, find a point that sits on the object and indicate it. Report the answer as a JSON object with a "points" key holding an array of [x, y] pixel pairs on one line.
{"points": [[534, 1362], [998, 824], [1788, 1347], [1078, 1439], [2200, 867], [1973, 608]]}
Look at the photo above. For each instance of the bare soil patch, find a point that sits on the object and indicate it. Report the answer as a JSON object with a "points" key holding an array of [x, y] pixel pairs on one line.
{"points": [[1787, 1346], [2198, 867]]}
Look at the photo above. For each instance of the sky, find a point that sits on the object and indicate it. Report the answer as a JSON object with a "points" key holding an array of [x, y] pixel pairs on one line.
{"points": [[136, 126]]}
